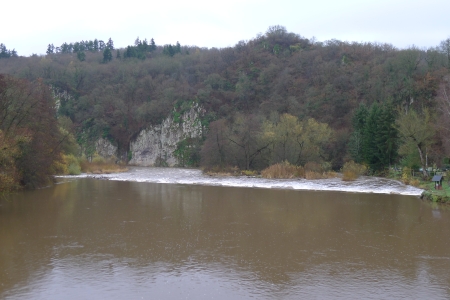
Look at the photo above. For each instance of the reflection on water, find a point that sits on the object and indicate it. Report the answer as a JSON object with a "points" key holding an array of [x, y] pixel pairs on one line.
{"points": [[91, 239]]}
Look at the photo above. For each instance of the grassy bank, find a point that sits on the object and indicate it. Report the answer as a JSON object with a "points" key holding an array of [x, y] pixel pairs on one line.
{"points": [[431, 194], [71, 165], [415, 179], [101, 167]]}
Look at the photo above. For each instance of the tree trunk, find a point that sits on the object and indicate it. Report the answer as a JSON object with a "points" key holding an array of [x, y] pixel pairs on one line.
{"points": [[422, 162], [247, 161]]}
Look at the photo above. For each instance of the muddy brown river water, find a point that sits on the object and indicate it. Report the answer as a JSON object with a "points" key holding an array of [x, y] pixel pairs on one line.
{"points": [[102, 239]]}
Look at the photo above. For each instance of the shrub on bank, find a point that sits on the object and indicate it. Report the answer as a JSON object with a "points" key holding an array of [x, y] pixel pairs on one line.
{"points": [[435, 197], [249, 173], [97, 159], [320, 175], [74, 169], [283, 170], [67, 165], [406, 175], [8, 183], [314, 170], [414, 182], [221, 171], [351, 171], [73, 165]]}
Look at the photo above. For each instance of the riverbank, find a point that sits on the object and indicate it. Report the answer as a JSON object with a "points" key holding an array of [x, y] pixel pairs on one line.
{"points": [[102, 168], [72, 165], [429, 192], [433, 195]]}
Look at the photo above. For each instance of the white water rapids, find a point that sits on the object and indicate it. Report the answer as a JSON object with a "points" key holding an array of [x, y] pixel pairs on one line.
{"points": [[364, 184]]}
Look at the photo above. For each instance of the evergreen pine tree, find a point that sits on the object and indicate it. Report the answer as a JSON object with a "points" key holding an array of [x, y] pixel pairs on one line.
{"points": [[82, 46], [356, 138], [169, 50], [374, 138], [107, 55], [145, 46], [64, 48], [359, 117], [370, 135], [76, 47], [110, 44], [355, 146], [130, 52], [4, 53], [50, 48], [90, 46], [152, 45], [387, 135], [101, 45], [81, 55]]}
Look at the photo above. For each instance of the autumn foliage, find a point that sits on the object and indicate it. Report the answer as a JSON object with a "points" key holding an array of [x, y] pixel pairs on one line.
{"points": [[351, 171], [311, 170], [283, 170], [29, 133]]}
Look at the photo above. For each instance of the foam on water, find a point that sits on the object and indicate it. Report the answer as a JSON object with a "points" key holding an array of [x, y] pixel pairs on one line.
{"points": [[192, 176]]}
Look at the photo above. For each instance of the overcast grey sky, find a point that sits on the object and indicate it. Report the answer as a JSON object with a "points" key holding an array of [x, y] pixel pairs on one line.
{"points": [[29, 26]]}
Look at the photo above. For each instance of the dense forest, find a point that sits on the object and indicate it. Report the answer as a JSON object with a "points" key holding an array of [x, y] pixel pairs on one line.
{"points": [[278, 97]]}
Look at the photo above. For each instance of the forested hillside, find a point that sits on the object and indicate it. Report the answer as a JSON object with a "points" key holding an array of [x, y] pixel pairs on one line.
{"points": [[274, 98]]}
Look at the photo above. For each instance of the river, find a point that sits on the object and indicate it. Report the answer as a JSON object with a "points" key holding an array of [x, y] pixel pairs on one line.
{"points": [[176, 234]]}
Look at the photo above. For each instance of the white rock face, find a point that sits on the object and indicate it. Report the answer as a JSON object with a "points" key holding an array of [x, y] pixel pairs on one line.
{"points": [[156, 144], [105, 148]]}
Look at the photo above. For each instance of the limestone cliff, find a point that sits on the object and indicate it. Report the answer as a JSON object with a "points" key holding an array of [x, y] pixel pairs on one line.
{"points": [[155, 145], [106, 149]]}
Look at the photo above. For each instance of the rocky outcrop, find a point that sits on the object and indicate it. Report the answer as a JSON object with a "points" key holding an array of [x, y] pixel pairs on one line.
{"points": [[105, 148], [155, 145]]}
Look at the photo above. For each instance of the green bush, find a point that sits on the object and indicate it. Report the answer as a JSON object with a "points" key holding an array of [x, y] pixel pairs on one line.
{"points": [[97, 159], [74, 169], [69, 164]]}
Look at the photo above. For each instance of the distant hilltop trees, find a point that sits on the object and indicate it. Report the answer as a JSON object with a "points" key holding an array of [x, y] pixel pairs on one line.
{"points": [[92, 46], [139, 50], [5, 53], [80, 47], [171, 50]]}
